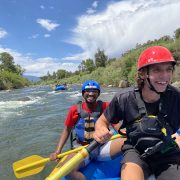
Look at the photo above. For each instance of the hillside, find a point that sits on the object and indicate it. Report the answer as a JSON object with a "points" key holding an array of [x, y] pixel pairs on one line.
{"points": [[123, 69], [32, 78]]}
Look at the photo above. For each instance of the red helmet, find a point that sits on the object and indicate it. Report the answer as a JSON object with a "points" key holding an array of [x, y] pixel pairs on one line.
{"points": [[154, 55]]}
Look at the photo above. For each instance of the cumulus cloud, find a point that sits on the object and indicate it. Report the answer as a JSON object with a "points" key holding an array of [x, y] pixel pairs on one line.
{"points": [[3, 33], [34, 36], [42, 7], [95, 4], [47, 24], [123, 24], [47, 35], [118, 28], [92, 10], [39, 67]]}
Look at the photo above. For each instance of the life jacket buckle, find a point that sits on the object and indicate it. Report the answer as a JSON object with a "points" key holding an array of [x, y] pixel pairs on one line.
{"points": [[151, 150]]}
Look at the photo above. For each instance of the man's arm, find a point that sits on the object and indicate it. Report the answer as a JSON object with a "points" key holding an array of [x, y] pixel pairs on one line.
{"points": [[62, 140], [102, 133]]}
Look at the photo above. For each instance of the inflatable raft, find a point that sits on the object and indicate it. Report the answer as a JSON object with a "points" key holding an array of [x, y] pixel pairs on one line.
{"points": [[60, 87], [101, 170]]}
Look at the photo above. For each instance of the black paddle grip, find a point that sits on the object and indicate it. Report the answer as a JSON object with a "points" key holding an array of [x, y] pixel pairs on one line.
{"points": [[94, 144]]}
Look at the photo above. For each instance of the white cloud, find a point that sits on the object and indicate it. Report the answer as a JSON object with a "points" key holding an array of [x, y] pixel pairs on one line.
{"points": [[123, 24], [118, 28], [47, 24], [92, 10], [42, 7], [47, 35], [39, 67], [3, 33], [80, 56], [34, 36], [95, 4]]}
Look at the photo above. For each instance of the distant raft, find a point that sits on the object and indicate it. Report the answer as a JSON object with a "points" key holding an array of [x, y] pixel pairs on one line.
{"points": [[60, 87]]}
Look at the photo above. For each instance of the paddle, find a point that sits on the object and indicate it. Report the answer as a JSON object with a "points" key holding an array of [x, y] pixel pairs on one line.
{"points": [[76, 160], [35, 164]]}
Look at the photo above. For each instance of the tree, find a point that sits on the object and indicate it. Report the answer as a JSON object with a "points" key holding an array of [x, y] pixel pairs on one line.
{"points": [[7, 63], [54, 75], [100, 58], [19, 70], [177, 33], [83, 65], [110, 60], [89, 64], [61, 73]]}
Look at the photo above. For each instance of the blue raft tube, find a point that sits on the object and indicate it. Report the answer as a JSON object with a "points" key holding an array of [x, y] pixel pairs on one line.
{"points": [[60, 87]]}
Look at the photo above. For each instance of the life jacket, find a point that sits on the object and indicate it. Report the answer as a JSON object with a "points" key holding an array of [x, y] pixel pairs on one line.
{"points": [[149, 134], [85, 125]]}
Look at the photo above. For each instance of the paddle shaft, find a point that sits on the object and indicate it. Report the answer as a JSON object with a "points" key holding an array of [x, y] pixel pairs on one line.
{"points": [[34, 164], [45, 160], [76, 160]]}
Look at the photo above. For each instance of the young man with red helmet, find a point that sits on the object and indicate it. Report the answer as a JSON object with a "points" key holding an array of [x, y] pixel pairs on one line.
{"points": [[151, 116]]}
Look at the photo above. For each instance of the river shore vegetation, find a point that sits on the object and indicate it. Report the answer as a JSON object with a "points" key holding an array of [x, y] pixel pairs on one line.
{"points": [[11, 74], [116, 72]]}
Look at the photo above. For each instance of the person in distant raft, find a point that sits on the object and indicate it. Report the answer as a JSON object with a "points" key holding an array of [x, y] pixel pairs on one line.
{"points": [[81, 119], [151, 116]]}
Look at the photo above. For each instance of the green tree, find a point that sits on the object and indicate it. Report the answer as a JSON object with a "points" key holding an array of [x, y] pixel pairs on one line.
{"points": [[83, 65], [61, 73], [90, 66], [110, 60], [54, 75], [7, 63], [19, 69], [100, 58], [177, 33], [87, 65]]}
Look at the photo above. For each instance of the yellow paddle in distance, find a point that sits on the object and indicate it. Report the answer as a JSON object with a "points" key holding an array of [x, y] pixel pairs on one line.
{"points": [[34, 164], [76, 160]]}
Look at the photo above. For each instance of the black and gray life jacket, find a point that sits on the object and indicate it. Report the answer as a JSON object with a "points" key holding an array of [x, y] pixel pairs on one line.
{"points": [[149, 134]]}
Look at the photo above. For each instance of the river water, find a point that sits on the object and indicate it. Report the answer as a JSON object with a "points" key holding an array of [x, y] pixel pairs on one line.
{"points": [[31, 120]]}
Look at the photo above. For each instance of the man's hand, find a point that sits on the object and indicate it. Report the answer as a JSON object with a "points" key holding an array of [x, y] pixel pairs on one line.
{"points": [[102, 135], [177, 138], [54, 156]]}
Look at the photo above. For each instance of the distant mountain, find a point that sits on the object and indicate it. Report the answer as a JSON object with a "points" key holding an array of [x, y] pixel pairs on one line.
{"points": [[32, 78]]}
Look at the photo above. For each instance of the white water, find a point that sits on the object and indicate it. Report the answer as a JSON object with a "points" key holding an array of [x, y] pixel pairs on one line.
{"points": [[31, 120]]}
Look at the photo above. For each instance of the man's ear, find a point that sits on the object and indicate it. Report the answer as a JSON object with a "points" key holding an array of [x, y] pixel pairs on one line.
{"points": [[99, 94], [142, 73]]}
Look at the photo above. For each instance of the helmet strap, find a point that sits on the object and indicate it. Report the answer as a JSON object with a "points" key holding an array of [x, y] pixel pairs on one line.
{"points": [[151, 87]]}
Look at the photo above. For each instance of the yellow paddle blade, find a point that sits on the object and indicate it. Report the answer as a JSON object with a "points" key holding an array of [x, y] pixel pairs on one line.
{"points": [[35, 164], [29, 166]]}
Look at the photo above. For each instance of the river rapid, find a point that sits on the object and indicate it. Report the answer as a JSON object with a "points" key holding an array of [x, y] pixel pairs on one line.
{"points": [[31, 120]]}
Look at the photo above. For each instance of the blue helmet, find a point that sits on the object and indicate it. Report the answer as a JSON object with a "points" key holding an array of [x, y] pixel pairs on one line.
{"points": [[90, 84]]}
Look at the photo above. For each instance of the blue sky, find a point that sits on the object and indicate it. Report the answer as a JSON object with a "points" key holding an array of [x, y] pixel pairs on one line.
{"points": [[47, 35]]}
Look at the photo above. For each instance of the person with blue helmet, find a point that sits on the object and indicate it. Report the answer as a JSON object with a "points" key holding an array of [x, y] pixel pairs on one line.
{"points": [[81, 118], [91, 84]]}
